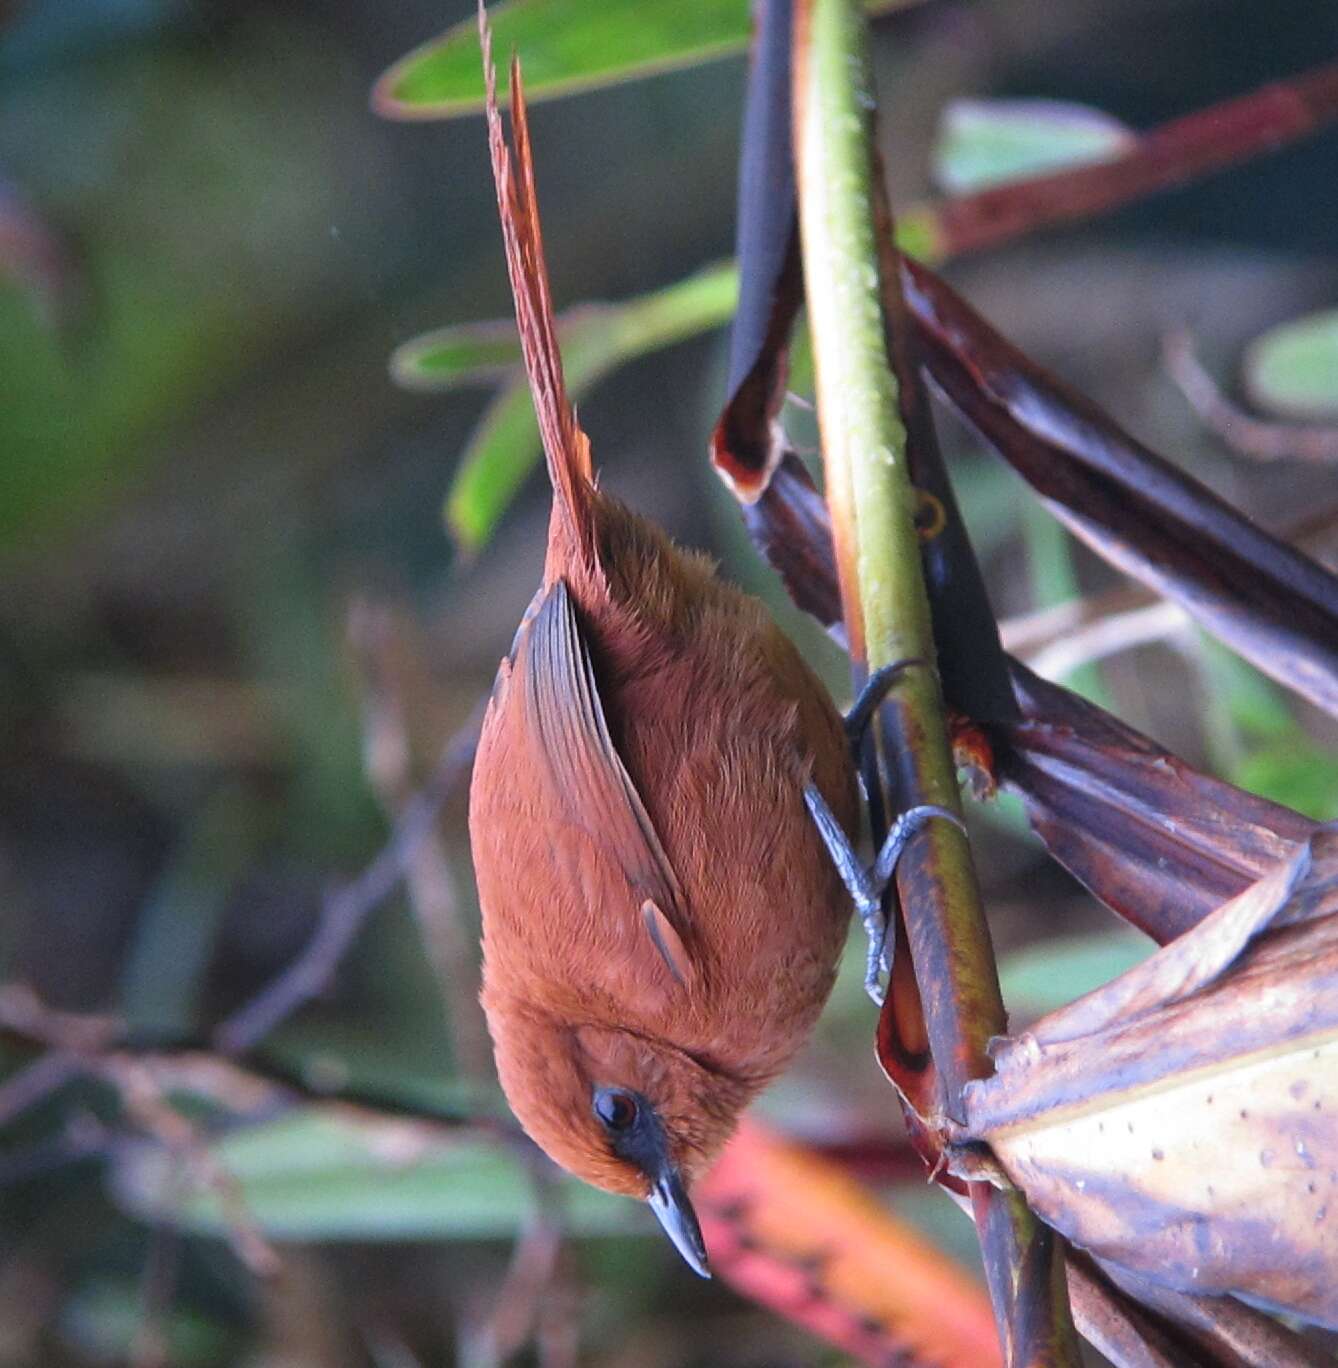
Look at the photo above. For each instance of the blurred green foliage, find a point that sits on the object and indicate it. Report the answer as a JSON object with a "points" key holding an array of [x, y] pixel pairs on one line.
{"points": [[988, 142], [569, 46], [1293, 368], [317, 1175], [209, 237], [1259, 741], [595, 340]]}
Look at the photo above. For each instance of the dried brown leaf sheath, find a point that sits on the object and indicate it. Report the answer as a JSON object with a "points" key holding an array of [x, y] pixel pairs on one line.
{"points": [[1156, 840], [1183, 1120]]}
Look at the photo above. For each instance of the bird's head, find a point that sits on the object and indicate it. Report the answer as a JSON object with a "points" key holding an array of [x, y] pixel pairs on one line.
{"points": [[625, 1113]]}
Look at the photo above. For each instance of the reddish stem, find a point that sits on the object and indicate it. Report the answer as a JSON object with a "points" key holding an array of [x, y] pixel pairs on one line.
{"points": [[1179, 151]]}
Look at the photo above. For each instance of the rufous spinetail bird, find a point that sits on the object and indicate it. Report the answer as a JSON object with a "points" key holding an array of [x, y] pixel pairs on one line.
{"points": [[658, 781]]}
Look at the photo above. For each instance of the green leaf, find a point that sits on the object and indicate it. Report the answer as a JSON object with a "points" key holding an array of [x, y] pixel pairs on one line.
{"points": [[463, 354], [1043, 977], [987, 142], [1292, 369], [567, 46], [595, 339], [505, 446], [327, 1174], [1256, 740], [1296, 772], [1254, 705]]}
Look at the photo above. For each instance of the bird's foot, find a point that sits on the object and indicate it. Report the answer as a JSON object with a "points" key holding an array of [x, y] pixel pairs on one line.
{"points": [[867, 885], [875, 689]]}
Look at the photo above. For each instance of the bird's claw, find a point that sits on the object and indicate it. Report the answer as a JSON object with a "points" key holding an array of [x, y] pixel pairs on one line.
{"points": [[875, 689], [904, 830], [876, 962]]}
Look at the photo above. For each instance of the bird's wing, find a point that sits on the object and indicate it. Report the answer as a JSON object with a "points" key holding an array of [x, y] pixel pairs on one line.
{"points": [[564, 710]]}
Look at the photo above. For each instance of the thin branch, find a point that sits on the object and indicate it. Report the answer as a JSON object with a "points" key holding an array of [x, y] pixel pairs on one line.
{"points": [[886, 612], [346, 910], [1108, 635], [1185, 149], [28, 1086], [92, 1042], [249, 1092], [531, 1275], [77, 1033], [1242, 432], [150, 1347], [145, 1102], [388, 763]]}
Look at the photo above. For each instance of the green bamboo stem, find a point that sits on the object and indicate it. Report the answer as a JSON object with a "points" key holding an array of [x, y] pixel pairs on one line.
{"points": [[868, 482], [887, 617]]}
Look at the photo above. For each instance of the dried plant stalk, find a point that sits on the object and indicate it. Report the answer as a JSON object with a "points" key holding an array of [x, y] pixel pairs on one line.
{"points": [[886, 611]]}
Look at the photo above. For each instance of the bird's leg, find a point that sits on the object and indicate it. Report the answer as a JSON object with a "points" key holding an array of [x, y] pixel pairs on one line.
{"points": [[867, 886], [859, 881], [870, 696]]}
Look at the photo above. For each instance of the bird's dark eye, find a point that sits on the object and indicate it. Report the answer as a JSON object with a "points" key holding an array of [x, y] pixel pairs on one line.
{"points": [[616, 1109]]}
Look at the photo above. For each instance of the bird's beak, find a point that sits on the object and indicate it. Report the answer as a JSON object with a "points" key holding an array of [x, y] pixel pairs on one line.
{"points": [[674, 1212]]}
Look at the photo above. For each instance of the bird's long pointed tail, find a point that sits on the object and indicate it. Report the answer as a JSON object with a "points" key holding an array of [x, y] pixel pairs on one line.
{"points": [[566, 447]]}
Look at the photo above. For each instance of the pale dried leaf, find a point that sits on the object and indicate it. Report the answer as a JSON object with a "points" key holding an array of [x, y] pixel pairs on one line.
{"points": [[1194, 960], [1192, 1137]]}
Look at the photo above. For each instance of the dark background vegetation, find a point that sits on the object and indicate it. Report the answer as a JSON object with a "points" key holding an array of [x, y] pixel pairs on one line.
{"points": [[203, 465]]}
